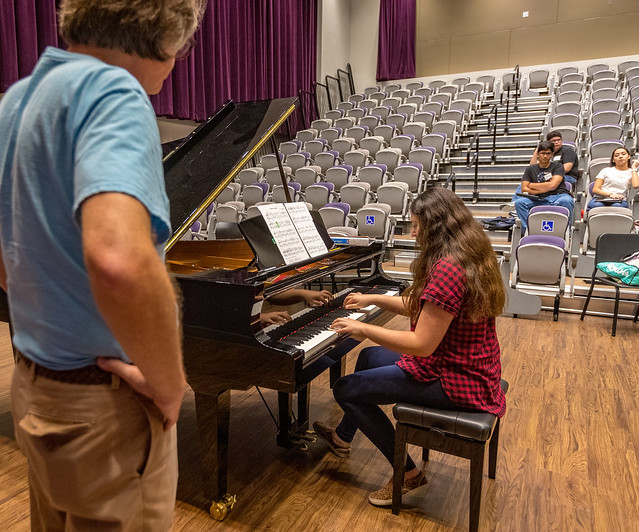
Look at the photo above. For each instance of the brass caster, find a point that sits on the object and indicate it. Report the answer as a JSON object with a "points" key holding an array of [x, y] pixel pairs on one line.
{"points": [[220, 509]]}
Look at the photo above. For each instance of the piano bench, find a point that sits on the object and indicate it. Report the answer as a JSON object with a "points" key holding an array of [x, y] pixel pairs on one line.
{"points": [[463, 434]]}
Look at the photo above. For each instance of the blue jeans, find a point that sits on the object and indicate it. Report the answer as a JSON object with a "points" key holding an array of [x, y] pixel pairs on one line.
{"points": [[594, 203], [378, 381], [523, 205]]}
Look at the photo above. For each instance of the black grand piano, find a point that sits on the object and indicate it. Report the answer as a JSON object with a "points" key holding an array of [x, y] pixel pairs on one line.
{"points": [[225, 347]]}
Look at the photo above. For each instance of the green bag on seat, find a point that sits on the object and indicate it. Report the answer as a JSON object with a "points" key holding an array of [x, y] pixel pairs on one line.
{"points": [[626, 273]]}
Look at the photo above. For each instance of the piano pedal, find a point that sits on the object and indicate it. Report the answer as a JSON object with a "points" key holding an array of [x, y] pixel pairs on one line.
{"points": [[221, 508], [302, 439]]}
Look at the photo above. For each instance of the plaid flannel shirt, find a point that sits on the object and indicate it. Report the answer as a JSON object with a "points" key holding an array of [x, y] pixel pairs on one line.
{"points": [[467, 361]]}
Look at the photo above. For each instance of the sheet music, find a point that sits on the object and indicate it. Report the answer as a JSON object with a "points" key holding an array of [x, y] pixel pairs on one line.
{"points": [[286, 237], [305, 226]]}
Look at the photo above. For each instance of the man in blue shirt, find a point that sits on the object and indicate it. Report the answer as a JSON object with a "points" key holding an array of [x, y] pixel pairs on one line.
{"points": [[98, 382]]}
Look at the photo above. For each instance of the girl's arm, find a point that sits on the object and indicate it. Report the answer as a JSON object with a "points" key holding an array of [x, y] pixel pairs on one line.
{"points": [[432, 324], [395, 304]]}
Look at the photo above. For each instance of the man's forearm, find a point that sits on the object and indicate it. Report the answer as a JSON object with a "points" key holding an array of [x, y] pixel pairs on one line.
{"points": [[142, 314]]}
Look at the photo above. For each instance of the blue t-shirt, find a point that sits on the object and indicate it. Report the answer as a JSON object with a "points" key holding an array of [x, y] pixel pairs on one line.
{"points": [[74, 128]]}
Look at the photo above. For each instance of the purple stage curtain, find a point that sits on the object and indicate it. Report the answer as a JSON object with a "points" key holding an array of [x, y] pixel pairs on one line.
{"points": [[27, 27], [396, 46], [246, 50]]}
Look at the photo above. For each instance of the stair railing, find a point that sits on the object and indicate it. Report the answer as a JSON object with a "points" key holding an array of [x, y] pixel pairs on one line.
{"points": [[517, 84], [492, 125], [451, 181], [474, 160]]}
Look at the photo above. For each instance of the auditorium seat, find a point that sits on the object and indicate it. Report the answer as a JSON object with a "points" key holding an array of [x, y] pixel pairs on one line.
{"points": [[396, 119], [569, 96], [461, 82], [448, 89], [603, 148], [295, 161], [488, 81], [358, 113], [255, 193], [291, 146], [306, 134], [330, 134], [434, 107], [343, 145], [339, 175], [443, 97], [248, 176], [326, 159], [273, 177], [604, 83], [607, 104], [357, 158], [335, 214], [279, 196], [540, 260], [347, 121], [538, 79], [605, 131], [315, 146], [390, 158], [426, 92], [416, 129], [230, 193], [604, 74], [396, 195], [307, 175], [372, 144], [426, 156], [605, 117], [427, 118], [414, 85], [405, 143], [602, 220], [385, 131], [370, 121], [595, 67], [368, 104], [374, 221], [356, 194], [319, 194], [413, 175], [321, 124], [333, 115], [376, 174], [436, 84], [382, 111]]}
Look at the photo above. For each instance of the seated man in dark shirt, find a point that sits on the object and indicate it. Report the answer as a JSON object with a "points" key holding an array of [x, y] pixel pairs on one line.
{"points": [[564, 155], [542, 184]]}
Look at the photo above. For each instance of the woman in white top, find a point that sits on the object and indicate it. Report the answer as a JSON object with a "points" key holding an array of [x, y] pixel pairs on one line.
{"points": [[613, 183]]}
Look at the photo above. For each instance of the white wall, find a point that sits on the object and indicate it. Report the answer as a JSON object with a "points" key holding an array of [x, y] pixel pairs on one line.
{"points": [[363, 42], [333, 35]]}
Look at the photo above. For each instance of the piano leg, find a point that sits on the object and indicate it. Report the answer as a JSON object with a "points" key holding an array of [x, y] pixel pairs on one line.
{"points": [[213, 414], [293, 432]]}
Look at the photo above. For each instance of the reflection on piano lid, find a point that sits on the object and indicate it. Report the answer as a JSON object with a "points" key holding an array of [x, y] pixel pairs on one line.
{"points": [[198, 170]]}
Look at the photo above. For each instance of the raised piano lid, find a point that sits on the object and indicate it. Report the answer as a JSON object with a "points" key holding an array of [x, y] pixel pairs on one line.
{"points": [[197, 171]]}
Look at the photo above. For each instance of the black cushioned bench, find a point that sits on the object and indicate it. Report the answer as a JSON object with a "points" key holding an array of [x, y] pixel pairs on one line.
{"points": [[463, 434]]}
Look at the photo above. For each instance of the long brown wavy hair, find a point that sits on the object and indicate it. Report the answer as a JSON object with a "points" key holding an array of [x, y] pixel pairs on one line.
{"points": [[447, 229]]}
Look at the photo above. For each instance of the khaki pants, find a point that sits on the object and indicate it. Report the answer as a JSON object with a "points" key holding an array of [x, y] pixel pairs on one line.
{"points": [[98, 456]]}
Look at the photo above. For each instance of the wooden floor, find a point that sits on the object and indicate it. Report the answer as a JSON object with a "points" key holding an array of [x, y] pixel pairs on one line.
{"points": [[567, 455]]}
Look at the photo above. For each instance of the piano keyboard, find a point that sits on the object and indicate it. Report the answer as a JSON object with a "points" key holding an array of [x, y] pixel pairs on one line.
{"points": [[309, 328]]}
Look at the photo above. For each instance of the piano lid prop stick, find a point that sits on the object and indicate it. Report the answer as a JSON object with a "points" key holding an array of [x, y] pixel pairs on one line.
{"points": [[287, 193]]}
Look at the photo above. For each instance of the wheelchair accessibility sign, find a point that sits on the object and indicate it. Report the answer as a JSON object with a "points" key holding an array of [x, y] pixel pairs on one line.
{"points": [[547, 226], [370, 220]]}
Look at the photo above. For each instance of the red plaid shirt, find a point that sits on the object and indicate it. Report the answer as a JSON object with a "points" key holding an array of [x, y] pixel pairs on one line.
{"points": [[467, 360]]}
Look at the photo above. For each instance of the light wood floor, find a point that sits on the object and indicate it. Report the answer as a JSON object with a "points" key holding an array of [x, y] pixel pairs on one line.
{"points": [[567, 455]]}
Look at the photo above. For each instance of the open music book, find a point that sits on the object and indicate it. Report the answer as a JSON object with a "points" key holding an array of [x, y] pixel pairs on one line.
{"points": [[294, 231]]}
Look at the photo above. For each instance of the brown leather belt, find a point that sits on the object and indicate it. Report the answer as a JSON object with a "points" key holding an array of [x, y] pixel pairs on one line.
{"points": [[86, 375]]}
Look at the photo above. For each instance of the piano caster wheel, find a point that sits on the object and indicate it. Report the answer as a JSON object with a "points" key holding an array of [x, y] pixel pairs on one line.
{"points": [[220, 509]]}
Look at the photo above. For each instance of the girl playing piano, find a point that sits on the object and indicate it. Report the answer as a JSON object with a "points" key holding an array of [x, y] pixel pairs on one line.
{"points": [[450, 359]]}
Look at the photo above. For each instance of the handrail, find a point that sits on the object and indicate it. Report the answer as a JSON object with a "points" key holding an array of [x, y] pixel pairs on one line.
{"points": [[328, 96], [328, 77], [301, 93], [349, 77], [517, 84], [451, 179], [493, 124], [507, 110]]}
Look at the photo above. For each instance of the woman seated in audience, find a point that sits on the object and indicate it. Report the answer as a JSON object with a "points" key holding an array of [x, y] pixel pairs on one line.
{"points": [[451, 356], [614, 183]]}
